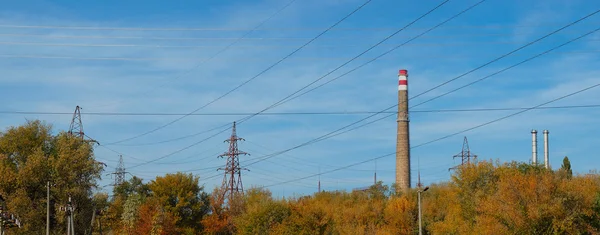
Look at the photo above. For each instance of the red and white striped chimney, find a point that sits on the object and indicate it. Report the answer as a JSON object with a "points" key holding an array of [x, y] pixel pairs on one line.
{"points": [[402, 80], [402, 139]]}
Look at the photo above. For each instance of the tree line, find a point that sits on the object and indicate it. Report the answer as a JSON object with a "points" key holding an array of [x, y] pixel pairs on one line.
{"points": [[484, 197]]}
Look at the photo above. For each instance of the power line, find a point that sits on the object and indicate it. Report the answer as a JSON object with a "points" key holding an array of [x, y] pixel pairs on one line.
{"points": [[359, 55], [251, 79], [507, 68], [262, 29], [381, 55], [508, 116], [331, 134], [441, 138], [518, 49], [246, 38], [423, 44], [223, 49], [178, 138], [367, 117], [180, 150], [144, 59], [388, 37], [303, 113]]}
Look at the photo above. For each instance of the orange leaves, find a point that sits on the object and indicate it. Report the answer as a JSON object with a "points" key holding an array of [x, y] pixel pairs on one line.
{"points": [[514, 198], [155, 220], [216, 224], [400, 214]]}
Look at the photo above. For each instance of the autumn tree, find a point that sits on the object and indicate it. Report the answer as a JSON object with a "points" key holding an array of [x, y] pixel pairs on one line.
{"points": [[135, 185], [218, 220], [114, 217], [155, 219], [513, 198], [183, 197], [261, 213], [30, 156]]}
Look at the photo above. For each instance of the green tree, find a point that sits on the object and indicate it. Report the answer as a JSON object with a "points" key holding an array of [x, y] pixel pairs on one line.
{"points": [[181, 195], [566, 167], [135, 185], [29, 157]]}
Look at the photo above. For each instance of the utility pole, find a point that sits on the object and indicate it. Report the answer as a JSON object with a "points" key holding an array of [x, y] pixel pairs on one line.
{"points": [[319, 187], [96, 216], [420, 213], [69, 210], [232, 178], [72, 214], [93, 218], [47, 207], [375, 174]]}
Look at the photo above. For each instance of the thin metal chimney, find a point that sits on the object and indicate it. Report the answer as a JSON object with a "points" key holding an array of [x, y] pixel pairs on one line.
{"points": [[546, 150], [534, 155]]}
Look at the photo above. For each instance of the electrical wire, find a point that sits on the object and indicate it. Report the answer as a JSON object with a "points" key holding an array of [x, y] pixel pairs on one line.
{"points": [[515, 50], [423, 44], [246, 38], [344, 64], [441, 138], [178, 138], [298, 113], [438, 86], [262, 29], [218, 52], [146, 59], [362, 53], [331, 134], [368, 62], [507, 68], [251, 79], [180, 150]]}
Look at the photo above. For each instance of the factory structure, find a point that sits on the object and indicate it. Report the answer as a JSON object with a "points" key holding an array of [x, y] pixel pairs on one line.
{"points": [[402, 138], [403, 178], [534, 146]]}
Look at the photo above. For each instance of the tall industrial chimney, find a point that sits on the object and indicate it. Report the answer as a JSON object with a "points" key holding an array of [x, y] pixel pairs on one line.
{"points": [[402, 140], [546, 150], [534, 155]]}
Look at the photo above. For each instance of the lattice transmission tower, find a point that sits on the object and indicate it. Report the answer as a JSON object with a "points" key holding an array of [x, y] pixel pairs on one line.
{"points": [[119, 172], [232, 178], [465, 154], [76, 127]]}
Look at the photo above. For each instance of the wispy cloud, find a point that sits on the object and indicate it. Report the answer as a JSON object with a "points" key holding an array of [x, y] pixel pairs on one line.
{"points": [[159, 83]]}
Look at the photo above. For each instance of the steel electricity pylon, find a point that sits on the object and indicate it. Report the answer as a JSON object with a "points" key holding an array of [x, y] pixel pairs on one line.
{"points": [[232, 178]]}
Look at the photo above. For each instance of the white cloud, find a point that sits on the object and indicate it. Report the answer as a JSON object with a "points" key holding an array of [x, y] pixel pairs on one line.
{"points": [[151, 86]]}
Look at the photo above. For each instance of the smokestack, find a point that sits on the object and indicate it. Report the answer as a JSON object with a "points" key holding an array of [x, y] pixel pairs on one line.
{"points": [[402, 138], [534, 155], [546, 150]]}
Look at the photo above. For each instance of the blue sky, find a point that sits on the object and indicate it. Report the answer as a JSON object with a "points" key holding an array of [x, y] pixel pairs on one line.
{"points": [[125, 56]]}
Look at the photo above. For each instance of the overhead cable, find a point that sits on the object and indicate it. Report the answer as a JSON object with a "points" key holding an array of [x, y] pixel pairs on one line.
{"points": [[249, 80]]}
